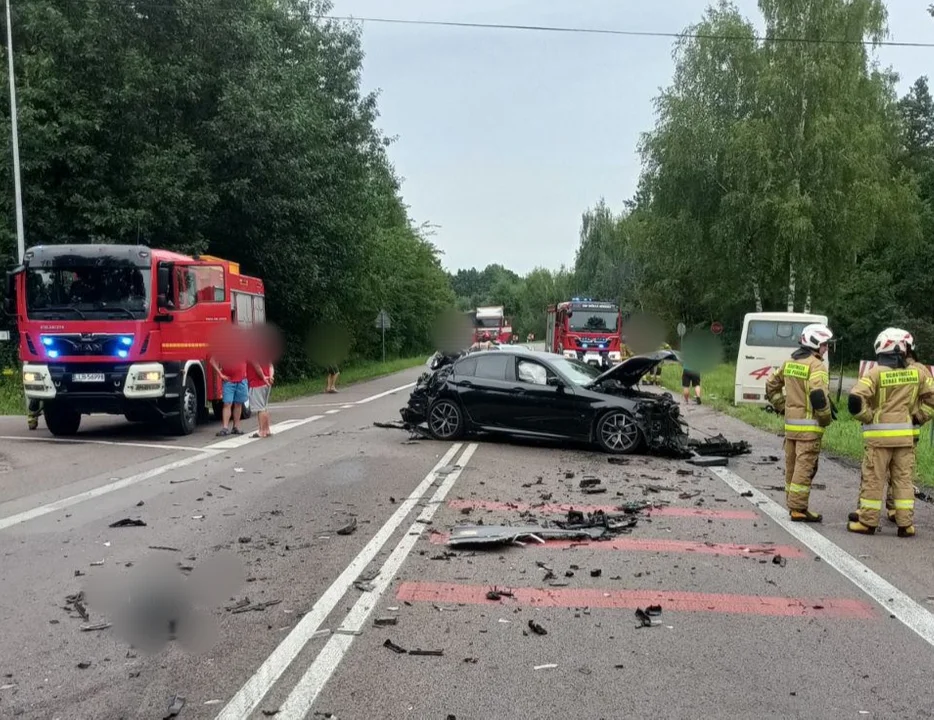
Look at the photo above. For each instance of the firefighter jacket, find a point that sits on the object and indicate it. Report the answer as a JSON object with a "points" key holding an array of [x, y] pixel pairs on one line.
{"points": [[885, 399], [920, 413], [806, 401]]}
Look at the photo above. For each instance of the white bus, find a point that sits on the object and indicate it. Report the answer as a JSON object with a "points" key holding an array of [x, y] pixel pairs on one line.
{"points": [[768, 340]]}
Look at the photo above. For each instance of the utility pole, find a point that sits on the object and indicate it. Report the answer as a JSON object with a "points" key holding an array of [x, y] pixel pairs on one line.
{"points": [[17, 185]]}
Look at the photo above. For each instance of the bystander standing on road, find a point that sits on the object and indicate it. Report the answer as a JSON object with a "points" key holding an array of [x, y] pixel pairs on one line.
{"points": [[333, 372], [690, 378], [235, 391], [260, 377]]}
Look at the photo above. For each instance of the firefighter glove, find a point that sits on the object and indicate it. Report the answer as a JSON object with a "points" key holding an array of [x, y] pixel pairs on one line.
{"points": [[818, 400], [854, 403]]}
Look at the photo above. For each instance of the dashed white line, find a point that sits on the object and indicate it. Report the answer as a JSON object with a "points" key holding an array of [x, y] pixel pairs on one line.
{"points": [[255, 689], [299, 702], [895, 602], [331, 412], [384, 394]]}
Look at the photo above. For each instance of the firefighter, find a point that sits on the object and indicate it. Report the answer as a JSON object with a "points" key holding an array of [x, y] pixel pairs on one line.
{"points": [[807, 409], [913, 363], [892, 401], [34, 410]]}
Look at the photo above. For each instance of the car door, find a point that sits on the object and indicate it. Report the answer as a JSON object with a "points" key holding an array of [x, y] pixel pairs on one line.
{"points": [[538, 408], [480, 381]]}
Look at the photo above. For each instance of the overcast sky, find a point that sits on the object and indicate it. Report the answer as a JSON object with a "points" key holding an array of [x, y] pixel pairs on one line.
{"points": [[506, 137]]}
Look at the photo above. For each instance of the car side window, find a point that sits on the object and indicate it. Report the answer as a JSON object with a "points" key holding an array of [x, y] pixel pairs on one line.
{"points": [[466, 367], [492, 367], [531, 372]]}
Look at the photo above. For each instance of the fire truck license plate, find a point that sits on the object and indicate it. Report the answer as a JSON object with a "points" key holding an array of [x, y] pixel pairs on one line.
{"points": [[88, 377]]}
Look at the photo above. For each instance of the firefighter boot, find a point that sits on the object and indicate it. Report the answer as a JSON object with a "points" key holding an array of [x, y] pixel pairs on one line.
{"points": [[32, 414], [855, 526], [906, 531], [805, 516], [32, 421]]}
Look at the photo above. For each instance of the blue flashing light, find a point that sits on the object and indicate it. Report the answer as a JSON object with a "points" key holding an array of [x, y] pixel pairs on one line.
{"points": [[122, 353], [126, 340], [47, 341], [53, 353]]}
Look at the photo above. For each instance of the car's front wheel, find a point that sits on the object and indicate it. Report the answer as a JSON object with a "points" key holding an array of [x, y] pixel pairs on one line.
{"points": [[618, 433], [445, 420]]}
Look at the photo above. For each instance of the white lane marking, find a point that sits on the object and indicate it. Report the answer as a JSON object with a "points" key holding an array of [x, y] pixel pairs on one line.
{"points": [[255, 689], [207, 452], [299, 702], [82, 441], [331, 412], [384, 394], [288, 404], [346, 407], [895, 602]]}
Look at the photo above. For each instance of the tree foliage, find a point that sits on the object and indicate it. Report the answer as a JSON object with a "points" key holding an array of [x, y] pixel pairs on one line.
{"points": [[232, 127], [782, 173]]}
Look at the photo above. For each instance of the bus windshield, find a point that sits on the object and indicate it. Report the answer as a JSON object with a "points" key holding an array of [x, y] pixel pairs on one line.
{"points": [[101, 291], [774, 333]]}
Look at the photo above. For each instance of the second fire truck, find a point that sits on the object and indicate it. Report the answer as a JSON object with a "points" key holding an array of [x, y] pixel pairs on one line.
{"points": [[586, 330]]}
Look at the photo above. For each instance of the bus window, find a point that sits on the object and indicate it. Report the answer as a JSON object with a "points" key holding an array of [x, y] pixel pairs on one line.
{"points": [[771, 333]]}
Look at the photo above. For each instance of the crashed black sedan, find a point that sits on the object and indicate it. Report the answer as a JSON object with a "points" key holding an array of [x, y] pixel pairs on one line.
{"points": [[523, 393]]}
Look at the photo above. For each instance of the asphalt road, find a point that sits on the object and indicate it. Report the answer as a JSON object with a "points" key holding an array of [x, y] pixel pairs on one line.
{"points": [[839, 627]]}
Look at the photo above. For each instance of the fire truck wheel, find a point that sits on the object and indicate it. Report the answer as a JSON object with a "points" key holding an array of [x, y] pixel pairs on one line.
{"points": [[61, 421], [186, 418], [618, 433], [445, 420]]}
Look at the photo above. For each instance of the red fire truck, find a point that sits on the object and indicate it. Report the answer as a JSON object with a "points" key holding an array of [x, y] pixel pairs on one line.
{"points": [[586, 330], [124, 329], [493, 322]]}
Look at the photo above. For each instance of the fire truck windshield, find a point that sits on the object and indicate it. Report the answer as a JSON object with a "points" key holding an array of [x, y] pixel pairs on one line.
{"points": [[99, 292], [492, 323], [593, 321]]}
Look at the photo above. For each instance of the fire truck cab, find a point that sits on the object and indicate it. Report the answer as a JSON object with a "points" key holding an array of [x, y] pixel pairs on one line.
{"points": [[125, 329], [493, 322], [586, 330]]}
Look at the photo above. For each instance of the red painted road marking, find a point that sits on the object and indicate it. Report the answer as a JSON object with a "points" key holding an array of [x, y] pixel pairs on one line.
{"points": [[617, 599], [658, 545], [564, 507]]}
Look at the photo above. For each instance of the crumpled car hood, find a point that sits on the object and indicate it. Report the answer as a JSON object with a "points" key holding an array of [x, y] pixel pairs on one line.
{"points": [[631, 370]]}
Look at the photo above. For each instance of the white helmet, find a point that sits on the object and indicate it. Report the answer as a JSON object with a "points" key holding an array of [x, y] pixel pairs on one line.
{"points": [[815, 335], [892, 340]]}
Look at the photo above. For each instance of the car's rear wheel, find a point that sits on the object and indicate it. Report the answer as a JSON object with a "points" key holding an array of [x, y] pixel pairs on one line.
{"points": [[445, 420], [618, 433]]}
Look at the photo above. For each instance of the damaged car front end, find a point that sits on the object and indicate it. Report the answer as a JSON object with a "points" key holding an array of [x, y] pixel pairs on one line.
{"points": [[523, 393]]}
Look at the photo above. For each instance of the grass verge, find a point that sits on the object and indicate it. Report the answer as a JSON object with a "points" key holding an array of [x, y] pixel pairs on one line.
{"points": [[12, 401], [843, 438]]}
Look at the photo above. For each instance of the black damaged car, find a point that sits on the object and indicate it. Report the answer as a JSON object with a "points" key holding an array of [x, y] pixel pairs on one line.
{"points": [[523, 393]]}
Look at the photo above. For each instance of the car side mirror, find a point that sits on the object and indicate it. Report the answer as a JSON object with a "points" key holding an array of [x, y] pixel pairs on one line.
{"points": [[555, 382], [163, 278]]}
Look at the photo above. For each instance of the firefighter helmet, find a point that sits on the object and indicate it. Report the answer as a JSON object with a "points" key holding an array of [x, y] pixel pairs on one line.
{"points": [[815, 335], [891, 341], [908, 338]]}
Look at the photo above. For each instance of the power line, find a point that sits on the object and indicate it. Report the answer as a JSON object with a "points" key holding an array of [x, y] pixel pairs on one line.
{"points": [[624, 33]]}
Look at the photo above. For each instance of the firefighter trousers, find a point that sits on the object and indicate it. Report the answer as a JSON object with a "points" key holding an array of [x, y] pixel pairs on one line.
{"points": [[897, 465], [890, 495], [801, 459]]}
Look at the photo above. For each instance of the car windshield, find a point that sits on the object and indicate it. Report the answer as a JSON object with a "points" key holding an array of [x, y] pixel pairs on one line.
{"points": [[593, 321], [101, 291], [574, 370]]}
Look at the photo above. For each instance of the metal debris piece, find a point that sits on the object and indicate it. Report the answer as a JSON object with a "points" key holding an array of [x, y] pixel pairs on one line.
{"points": [[709, 461], [175, 707], [779, 560], [569, 475], [349, 528], [618, 460], [595, 490], [177, 482], [748, 493], [689, 495], [95, 628], [507, 534], [164, 547], [127, 522], [589, 481], [596, 573], [536, 628], [433, 653], [228, 489], [382, 621], [97, 563], [395, 648], [364, 586], [497, 594], [258, 607], [270, 713], [344, 631], [719, 446]]}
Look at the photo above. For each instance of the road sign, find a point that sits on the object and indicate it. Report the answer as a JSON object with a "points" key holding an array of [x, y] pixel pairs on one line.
{"points": [[716, 328], [682, 329], [383, 321]]}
